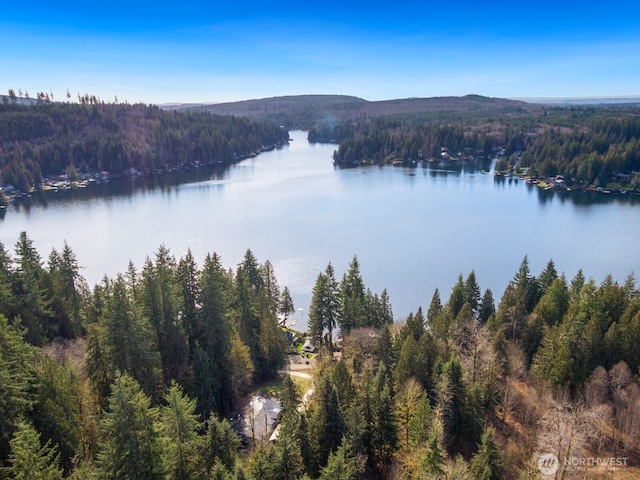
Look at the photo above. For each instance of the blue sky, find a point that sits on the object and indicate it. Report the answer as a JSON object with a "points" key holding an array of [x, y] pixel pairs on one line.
{"points": [[191, 51]]}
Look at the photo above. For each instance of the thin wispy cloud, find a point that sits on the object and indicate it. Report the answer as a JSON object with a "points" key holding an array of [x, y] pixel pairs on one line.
{"points": [[233, 51]]}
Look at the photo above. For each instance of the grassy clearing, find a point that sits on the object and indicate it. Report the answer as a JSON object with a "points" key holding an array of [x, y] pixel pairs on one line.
{"points": [[273, 387]]}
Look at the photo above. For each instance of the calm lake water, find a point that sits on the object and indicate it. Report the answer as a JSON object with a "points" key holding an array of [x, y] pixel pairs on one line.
{"points": [[413, 229]]}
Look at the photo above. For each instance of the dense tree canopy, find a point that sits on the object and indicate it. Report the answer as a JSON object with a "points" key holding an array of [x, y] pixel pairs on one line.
{"points": [[50, 139], [141, 385], [586, 145]]}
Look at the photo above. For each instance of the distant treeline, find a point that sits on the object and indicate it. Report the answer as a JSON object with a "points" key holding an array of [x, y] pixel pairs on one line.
{"points": [[584, 144], [589, 153], [385, 140], [56, 138]]}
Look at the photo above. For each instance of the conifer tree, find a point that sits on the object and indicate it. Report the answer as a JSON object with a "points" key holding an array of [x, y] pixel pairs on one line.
{"points": [[352, 299], [407, 402], [6, 297], [341, 465], [221, 444], [33, 304], [57, 412], [415, 325], [487, 307], [178, 427], [554, 303], [324, 311], [406, 365], [159, 296], [17, 376], [270, 285], [435, 307], [433, 461], [384, 348], [29, 459], [421, 422], [212, 367], [326, 425], [187, 273], [383, 432], [129, 338], [472, 293], [272, 343], [286, 451], [456, 299], [285, 304], [487, 462], [131, 448], [547, 276]]}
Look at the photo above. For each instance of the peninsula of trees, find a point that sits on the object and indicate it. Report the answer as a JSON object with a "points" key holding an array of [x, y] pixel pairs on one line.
{"points": [[46, 140], [133, 378], [587, 146]]}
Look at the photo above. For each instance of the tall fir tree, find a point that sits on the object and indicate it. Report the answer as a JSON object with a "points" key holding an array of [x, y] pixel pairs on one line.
{"points": [[17, 379], [29, 459], [131, 448], [352, 299], [179, 427], [487, 462], [129, 339]]}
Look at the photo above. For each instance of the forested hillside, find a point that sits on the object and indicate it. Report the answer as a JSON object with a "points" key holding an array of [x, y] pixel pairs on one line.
{"points": [[588, 146], [132, 378], [51, 139], [306, 112]]}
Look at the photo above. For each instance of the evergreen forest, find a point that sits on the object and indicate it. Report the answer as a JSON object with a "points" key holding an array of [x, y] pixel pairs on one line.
{"points": [[588, 146], [50, 139], [137, 376]]}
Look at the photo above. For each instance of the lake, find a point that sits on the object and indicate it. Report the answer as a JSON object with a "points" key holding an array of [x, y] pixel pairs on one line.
{"points": [[413, 229]]}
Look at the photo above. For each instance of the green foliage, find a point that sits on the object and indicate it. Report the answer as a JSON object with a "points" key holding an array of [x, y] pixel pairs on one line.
{"points": [[407, 402], [29, 460], [33, 302], [459, 410], [487, 462], [67, 293], [131, 447], [158, 294], [584, 144], [554, 303], [340, 466], [324, 308], [352, 299], [420, 423], [58, 409], [129, 341], [487, 307], [433, 461], [17, 377], [407, 361], [285, 304], [212, 339], [221, 444], [431, 394], [326, 425], [51, 138], [179, 426], [435, 308]]}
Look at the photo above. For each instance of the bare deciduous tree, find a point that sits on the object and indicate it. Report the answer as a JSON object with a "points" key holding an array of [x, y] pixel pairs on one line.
{"points": [[562, 432]]}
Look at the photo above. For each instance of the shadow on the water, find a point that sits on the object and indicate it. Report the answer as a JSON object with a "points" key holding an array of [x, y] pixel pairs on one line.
{"points": [[120, 188], [584, 198]]}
